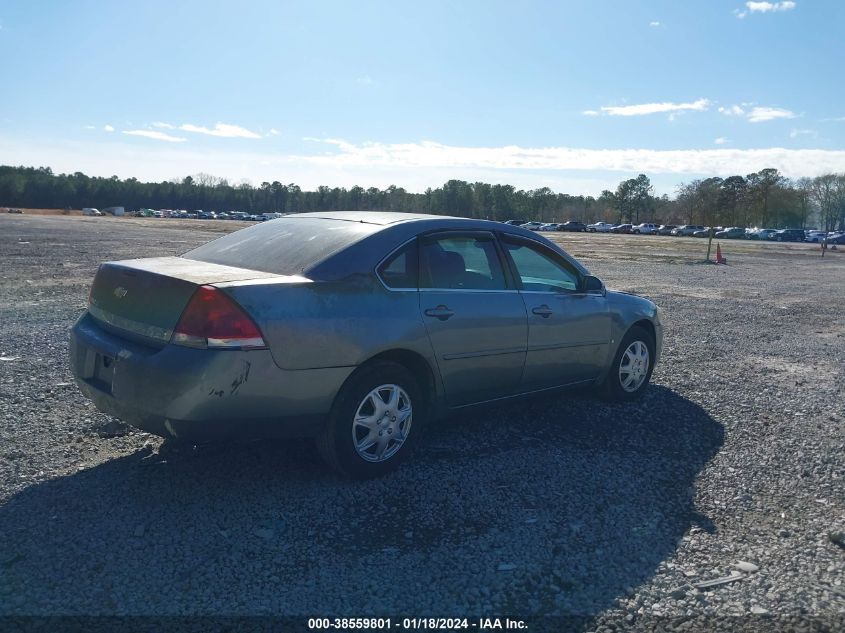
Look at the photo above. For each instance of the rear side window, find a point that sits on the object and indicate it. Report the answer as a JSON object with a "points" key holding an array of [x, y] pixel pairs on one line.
{"points": [[399, 271], [461, 262]]}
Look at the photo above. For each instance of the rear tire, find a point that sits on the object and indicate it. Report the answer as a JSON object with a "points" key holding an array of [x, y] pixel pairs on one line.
{"points": [[367, 434], [633, 363]]}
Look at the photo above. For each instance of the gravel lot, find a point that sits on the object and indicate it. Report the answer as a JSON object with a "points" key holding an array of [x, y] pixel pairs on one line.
{"points": [[607, 514]]}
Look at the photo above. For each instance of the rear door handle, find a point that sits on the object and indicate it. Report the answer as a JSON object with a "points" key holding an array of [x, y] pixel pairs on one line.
{"points": [[543, 310], [440, 312]]}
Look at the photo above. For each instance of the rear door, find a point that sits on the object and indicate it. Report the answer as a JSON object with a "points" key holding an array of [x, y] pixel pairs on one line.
{"points": [[474, 315], [568, 329]]}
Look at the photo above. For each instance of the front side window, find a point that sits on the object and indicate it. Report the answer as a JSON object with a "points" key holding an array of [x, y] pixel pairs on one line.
{"points": [[540, 270], [461, 262]]}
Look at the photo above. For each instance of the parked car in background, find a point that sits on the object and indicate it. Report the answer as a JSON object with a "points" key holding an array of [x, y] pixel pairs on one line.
{"points": [[621, 228], [600, 227], [761, 234], [514, 222], [91, 211], [686, 230], [665, 229], [788, 235], [835, 238], [206, 215], [573, 226], [705, 232], [18, 211], [815, 236], [352, 328], [645, 228], [733, 233], [532, 226]]}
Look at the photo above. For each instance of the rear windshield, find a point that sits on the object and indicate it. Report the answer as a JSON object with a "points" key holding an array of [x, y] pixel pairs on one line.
{"points": [[286, 246]]}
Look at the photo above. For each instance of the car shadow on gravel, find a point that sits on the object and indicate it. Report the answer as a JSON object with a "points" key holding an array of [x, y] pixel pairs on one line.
{"points": [[559, 505]]}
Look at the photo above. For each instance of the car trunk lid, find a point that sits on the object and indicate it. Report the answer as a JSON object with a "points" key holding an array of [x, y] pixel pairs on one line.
{"points": [[142, 299]]}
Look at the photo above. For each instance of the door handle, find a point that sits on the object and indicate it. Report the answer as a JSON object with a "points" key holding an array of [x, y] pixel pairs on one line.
{"points": [[440, 312], [543, 310]]}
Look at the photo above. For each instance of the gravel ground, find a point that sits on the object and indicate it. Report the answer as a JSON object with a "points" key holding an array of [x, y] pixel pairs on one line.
{"points": [[568, 506]]}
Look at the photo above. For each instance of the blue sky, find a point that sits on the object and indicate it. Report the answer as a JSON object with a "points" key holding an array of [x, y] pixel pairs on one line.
{"points": [[574, 95]]}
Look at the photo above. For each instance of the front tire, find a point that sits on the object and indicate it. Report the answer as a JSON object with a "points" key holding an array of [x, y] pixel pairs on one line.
{"points": [[630, 372], [376, 419]]}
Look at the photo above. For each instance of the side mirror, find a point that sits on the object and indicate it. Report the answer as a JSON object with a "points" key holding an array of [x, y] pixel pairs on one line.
{"points": [[592, 284]]}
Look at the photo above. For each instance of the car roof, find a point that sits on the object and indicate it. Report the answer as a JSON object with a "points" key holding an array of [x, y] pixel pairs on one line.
{"points": [[353, 249], [382, 218]]}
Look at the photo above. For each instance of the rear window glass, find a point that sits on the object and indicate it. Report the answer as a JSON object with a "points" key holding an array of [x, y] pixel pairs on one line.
{"points": [[286, 246]]}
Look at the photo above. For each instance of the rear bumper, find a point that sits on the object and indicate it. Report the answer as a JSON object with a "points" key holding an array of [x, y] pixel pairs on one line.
{"points": [[197, 394]]}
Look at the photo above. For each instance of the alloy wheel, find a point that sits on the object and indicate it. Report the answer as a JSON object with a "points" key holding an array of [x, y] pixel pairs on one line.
{"points": [[382, 423], [634, 366]]}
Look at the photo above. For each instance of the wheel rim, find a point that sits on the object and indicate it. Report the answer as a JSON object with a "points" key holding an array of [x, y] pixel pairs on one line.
{"points": [[382, 423], [633, 368]]}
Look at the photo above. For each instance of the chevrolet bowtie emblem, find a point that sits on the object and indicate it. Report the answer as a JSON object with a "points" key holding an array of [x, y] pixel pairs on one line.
{"points": [[120, 292]]}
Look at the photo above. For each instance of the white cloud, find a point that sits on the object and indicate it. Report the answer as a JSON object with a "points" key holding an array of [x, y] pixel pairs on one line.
{"points": [[722, 140], [653, 108], [223, 130], [158, 136], [764, 7], [795, 133], [108, 128], [414, 166], [90, 127], [273, 132], [759, 114], [590, 113], [655, 24], [427, 154], [164, 126]]}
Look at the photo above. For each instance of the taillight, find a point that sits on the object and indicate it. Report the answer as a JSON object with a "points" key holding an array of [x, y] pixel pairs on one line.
{"points": [[212, 320]]}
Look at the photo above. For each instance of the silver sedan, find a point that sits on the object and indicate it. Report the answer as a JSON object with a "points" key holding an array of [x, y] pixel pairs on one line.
{"points": [[353, 328]]}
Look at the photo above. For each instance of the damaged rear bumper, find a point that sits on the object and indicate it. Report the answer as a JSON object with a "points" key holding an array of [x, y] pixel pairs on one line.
{"points": [[199, 395]]}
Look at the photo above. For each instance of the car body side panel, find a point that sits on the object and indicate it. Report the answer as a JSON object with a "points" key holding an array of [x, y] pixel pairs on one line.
{"points": [[334, 324], [626, 310], [568, 345], [480, 349]]}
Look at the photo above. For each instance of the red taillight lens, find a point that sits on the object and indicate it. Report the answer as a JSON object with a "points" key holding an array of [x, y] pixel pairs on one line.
{"points": [[212, 319]]}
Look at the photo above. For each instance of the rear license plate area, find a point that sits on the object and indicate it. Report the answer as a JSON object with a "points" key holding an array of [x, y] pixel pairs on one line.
{"points": [[103, 373]]}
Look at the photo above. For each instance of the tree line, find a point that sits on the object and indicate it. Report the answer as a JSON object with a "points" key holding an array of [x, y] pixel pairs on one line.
{"points": [[764, 199]]}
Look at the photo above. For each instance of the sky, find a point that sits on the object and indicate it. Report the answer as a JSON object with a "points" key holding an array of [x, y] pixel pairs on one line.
{"points": [[574, 95]]}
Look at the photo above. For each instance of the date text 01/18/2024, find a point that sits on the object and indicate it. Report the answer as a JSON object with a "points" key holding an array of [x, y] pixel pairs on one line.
{"points": [[416, 623]]}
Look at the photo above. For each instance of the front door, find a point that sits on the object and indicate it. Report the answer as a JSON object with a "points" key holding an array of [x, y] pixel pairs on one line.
{"points": [[474, 316], [568, 329]]}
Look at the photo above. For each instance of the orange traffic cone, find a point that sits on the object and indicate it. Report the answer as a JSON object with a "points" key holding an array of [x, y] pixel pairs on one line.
{"points": [[719, 258]]}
